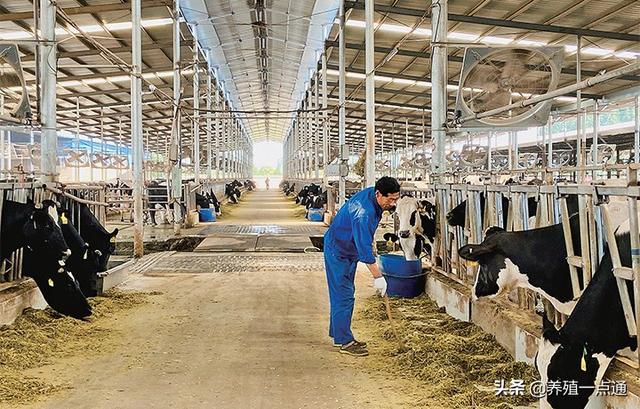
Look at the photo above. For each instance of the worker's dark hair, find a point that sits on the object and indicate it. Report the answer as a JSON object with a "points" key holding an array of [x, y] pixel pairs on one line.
{"points": [[386, 185]]}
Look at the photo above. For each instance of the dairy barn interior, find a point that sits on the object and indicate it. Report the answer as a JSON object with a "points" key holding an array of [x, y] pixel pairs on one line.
{"points": [[191, 188]]}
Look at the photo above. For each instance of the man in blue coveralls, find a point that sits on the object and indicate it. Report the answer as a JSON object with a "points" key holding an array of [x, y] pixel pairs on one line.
{"points": [[349, 240]]}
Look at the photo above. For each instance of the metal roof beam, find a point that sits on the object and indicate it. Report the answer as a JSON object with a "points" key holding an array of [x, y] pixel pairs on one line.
{"points": [[98, 8], [548, 28]]}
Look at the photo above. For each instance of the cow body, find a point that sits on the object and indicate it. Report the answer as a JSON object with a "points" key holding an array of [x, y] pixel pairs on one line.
{"points": [[596, 330], [83, 262], [57, 285], [534, 259], [417, 226]]}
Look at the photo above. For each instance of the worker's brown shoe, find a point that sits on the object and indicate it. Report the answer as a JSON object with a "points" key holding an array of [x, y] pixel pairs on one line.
{"points": [[354, 348]]}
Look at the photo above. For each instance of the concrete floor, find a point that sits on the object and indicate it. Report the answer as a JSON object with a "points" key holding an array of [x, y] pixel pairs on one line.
{"points": [[231, 330]]}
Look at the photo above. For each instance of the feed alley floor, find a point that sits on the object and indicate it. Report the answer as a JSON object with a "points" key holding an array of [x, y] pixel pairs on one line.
{"points": [[240, 323]]}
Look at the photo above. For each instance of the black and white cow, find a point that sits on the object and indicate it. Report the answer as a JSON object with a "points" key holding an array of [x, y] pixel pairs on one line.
{"points": [[417, 228], [213, 199], [83, 262], [317, 201], [232, 192], [534, 259], [95, 235], [34, 227], [596, 330], [57, 285], [290, 189], [305, 194]]}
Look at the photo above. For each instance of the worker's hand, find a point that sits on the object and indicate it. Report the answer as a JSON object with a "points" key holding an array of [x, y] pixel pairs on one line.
{"points": [[380, 284]]}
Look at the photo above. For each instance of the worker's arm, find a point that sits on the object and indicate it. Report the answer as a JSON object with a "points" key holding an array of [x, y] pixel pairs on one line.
{"points": [[374, 270]]}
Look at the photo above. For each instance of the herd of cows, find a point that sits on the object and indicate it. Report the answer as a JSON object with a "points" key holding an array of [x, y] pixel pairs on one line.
{"points": [[159, 209], [595, 330], [63, 251]]}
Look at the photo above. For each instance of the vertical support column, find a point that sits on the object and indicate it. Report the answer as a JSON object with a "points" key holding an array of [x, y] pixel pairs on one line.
{"points": [[196, 106], [325, 119], [439, 82], [341, 97], [370, 95], [225, 127], [579, 120], [209, 122], [636, 137], [48, 63], [136, 128], [176, 170], [550, 147], [218, 129], [78, 135], [3, 149], [316, 131], [596, 130]]}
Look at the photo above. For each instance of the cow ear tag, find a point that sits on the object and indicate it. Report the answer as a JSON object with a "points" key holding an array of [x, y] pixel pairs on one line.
{"points": [[472, 263], [50, 282], [112, 239], [583, 362], [63, 219]]}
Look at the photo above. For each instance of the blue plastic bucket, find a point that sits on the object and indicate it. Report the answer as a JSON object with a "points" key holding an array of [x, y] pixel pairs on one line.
{"points": [[315, 215], [404, 278], [207, 215]]}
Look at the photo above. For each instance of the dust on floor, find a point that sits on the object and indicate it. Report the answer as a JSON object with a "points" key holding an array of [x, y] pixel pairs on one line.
{"points": [[39, 337], [453, 363]]}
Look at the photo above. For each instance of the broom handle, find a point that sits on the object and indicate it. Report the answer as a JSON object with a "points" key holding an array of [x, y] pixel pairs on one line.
{"points": [[393, 325]]}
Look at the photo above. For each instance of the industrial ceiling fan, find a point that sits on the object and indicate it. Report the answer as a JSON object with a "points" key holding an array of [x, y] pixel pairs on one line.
{"points": [[494, 77], [12, 87]]}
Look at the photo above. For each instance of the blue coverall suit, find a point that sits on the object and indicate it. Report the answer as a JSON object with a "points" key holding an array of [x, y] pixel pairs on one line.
{"points": [[348, 240]]}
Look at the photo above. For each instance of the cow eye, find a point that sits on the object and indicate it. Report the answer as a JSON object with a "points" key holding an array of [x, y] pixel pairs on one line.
{"points": [[412, 219]]}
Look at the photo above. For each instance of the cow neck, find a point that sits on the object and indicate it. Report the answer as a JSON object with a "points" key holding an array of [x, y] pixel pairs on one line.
{"points": [[12, 235]]}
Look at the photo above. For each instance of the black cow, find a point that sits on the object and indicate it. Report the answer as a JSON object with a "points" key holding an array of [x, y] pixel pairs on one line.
{"points": [[58, 287], [534, 259], [596, 330], [250, 185], [290, 189], [95, 235], [417, 226], [211, 196], [83, 262], [34, 227]]}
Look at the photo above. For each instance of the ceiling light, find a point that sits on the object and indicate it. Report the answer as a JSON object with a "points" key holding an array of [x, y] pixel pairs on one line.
{"points": [[496, 40]]}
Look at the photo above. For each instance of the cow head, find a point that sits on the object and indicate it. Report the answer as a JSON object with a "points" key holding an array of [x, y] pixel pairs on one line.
{"points": [[559, 361], [497, 274], [411, 232], [456, 216], [62, 293], [106, 247], [42, 231]]}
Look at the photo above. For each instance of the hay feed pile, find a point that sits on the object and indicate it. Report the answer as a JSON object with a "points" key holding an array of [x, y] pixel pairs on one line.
{"points": [[453, 364], [40, 337]]}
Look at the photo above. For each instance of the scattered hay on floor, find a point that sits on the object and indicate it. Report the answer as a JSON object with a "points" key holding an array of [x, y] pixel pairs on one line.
{"points": [[183, 244], [39, 337], [454, 362]]}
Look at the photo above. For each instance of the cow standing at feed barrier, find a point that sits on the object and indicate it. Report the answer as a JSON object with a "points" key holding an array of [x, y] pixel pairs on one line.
{"points": [[592, 335], [83, 261], [533, 259], [417, 228], [232, 192], [37, 230]]}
